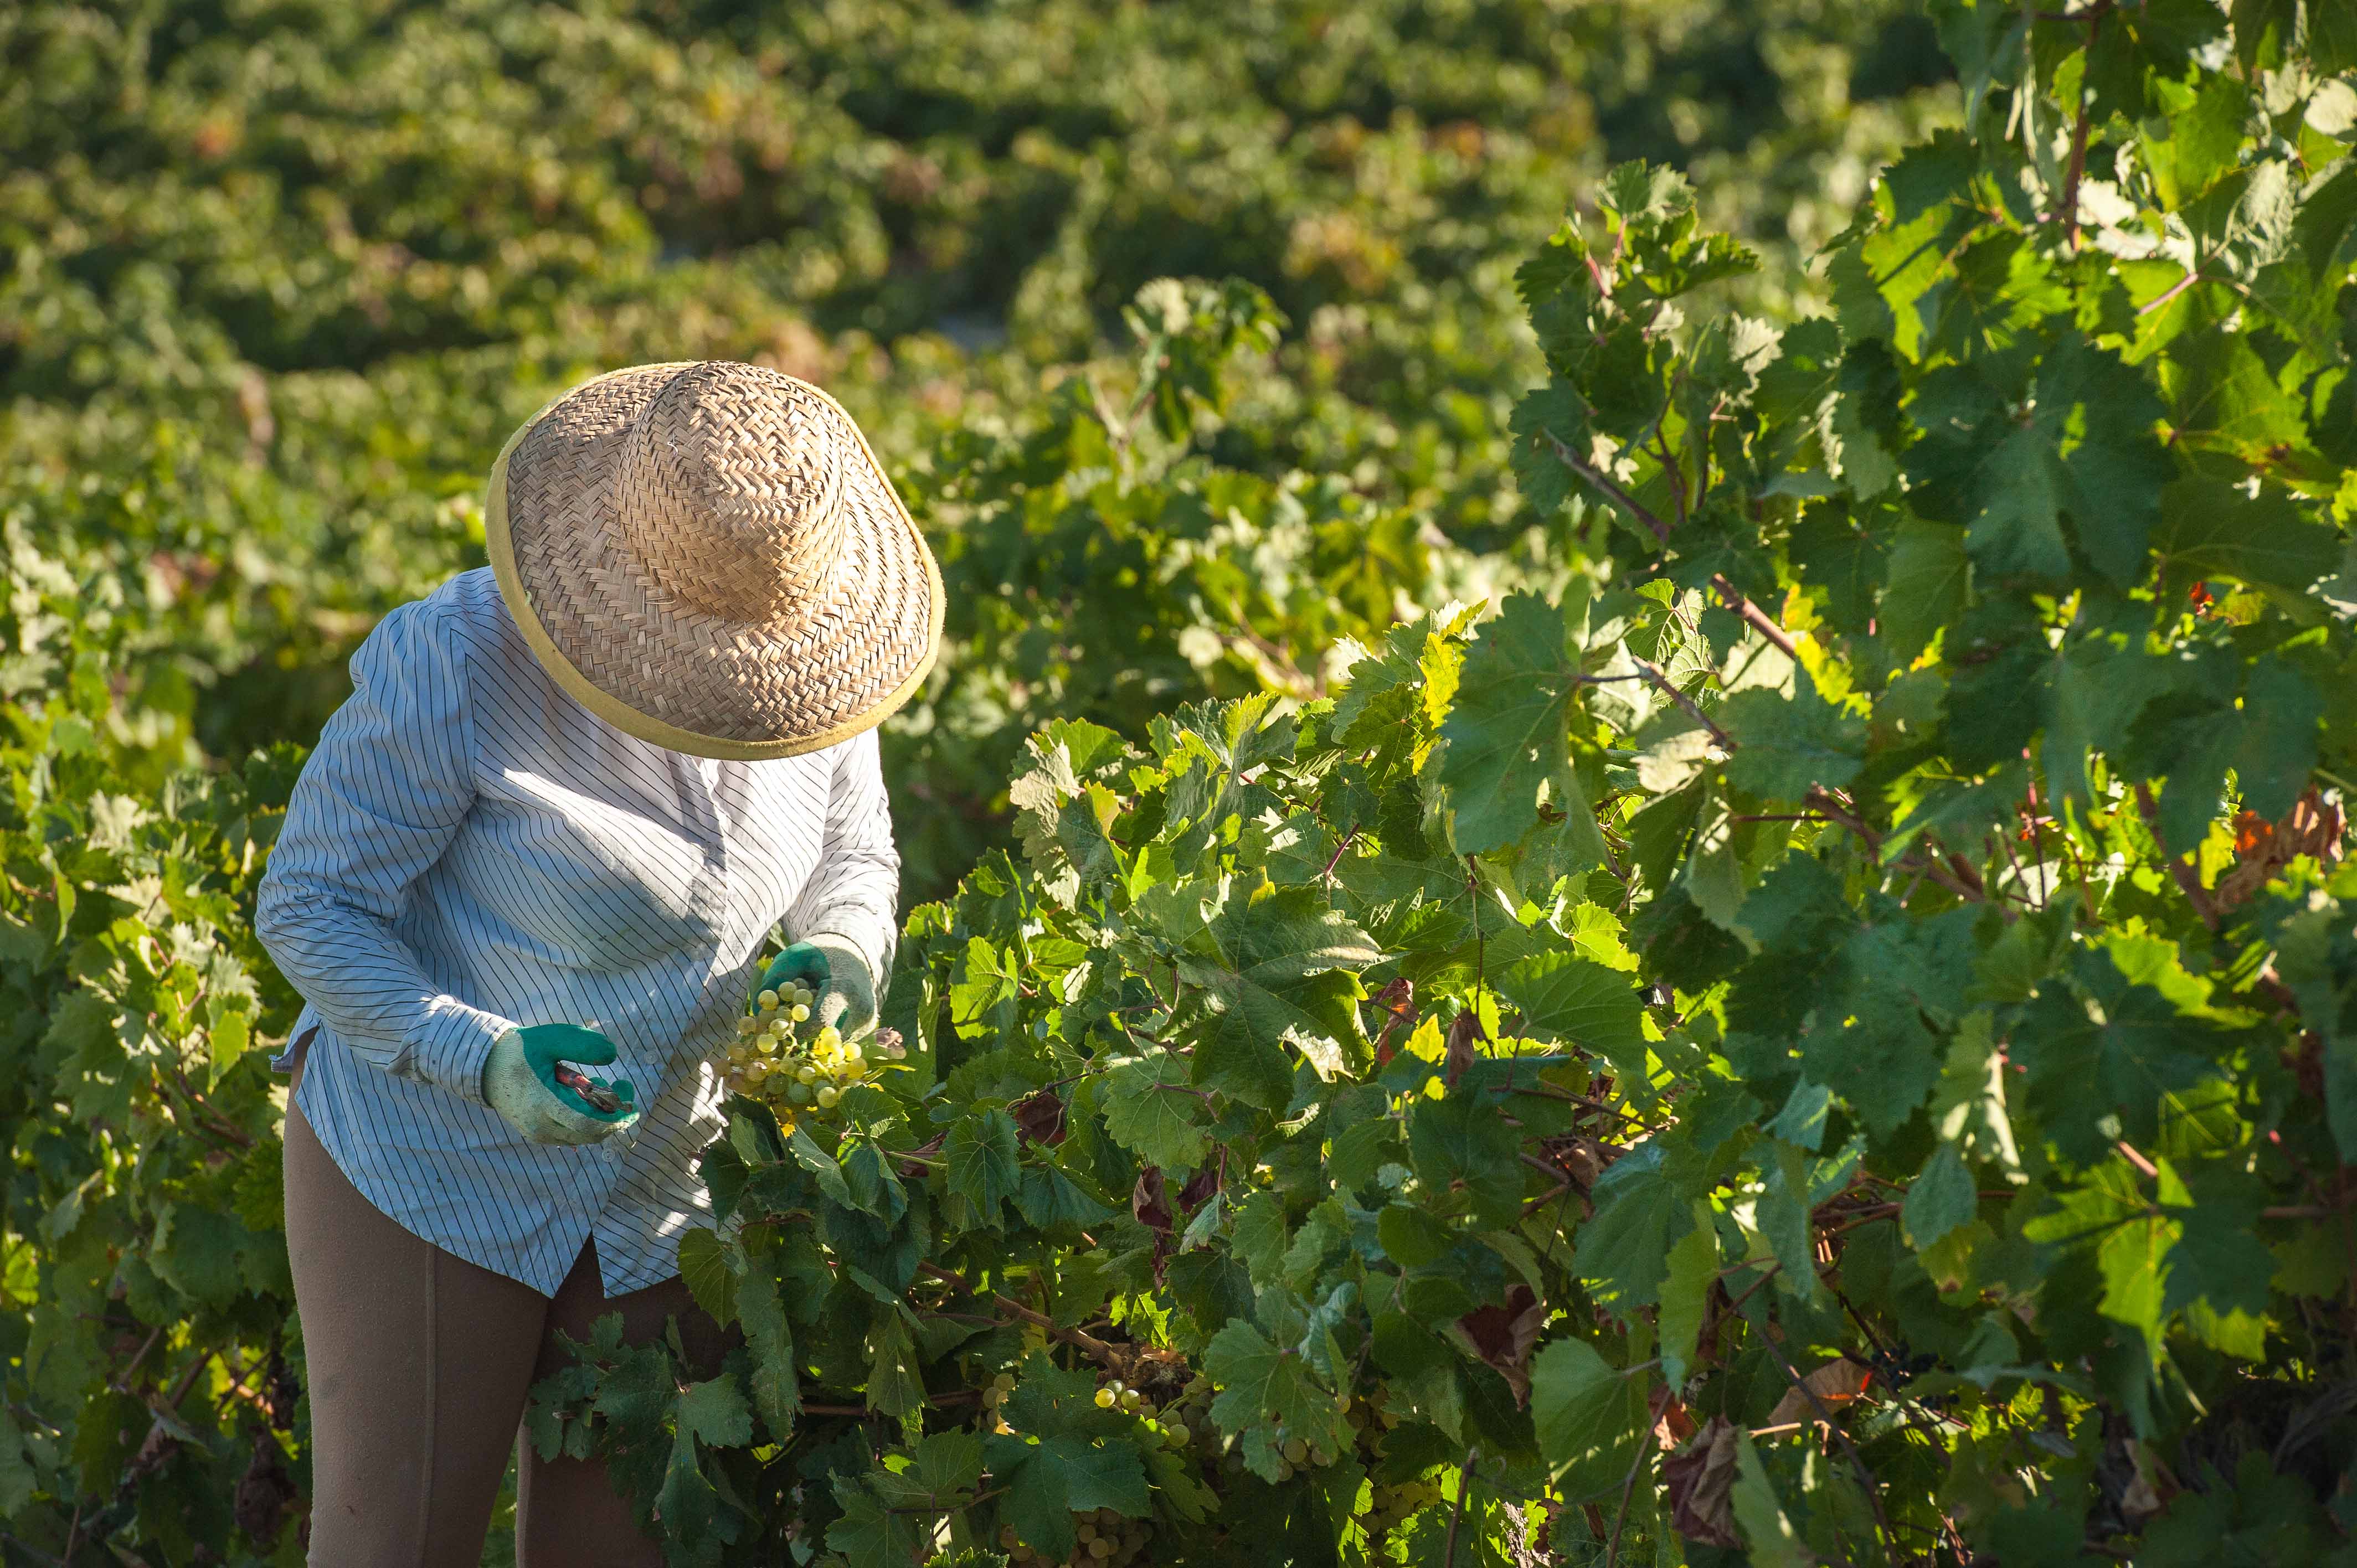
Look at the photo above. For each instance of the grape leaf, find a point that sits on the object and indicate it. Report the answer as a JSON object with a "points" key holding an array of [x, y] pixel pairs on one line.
{"points": [[716, 1411], [1461, 1139], [2100, 1046], [1687, 1285], [1049, 1481], [1622, 1251], [1592, 1417], [1280, 967], [703, 1267], [1581, 1003], [1260, 1381], [1940, 1199], [984, 1169], [1506, 731], [1149, 1107], [1785, 747], [2211, 529]]}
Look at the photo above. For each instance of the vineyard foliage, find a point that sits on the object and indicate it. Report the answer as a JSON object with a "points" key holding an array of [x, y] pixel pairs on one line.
{"points": [[1778, 989]]}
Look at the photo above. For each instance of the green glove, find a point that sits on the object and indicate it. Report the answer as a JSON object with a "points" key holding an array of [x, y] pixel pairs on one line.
{"points": [[523, 1080], [838, 972]]}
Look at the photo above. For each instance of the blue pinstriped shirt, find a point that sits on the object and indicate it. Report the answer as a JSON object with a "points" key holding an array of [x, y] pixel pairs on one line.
{"points": [[469, 850]]}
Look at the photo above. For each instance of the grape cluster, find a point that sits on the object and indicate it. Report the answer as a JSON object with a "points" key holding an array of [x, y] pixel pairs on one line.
{"points": [[1295, 1453], [1295, 1456], [1385, 1508], [994, 1395], [1169, 1426], [770, 1061], [1106, 1540], [1386, 1505]]}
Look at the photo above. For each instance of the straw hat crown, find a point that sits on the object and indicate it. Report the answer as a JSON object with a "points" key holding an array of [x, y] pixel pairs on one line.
{"points": [[709, 556], [730, 489]]}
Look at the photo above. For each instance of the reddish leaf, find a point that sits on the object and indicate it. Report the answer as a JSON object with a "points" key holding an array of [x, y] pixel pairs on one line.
{"points": [[1502, 1337], [912, 1170], [2313, 826], [1701, 1486], [1039, 1118], [1463, 1030], [1836, 1383], [1150, 1202], [1200, 1187], [1396, 1001]]}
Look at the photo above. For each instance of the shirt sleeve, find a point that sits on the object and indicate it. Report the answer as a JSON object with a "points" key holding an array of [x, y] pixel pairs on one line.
{"points": [[855, 887], [380, 800]]}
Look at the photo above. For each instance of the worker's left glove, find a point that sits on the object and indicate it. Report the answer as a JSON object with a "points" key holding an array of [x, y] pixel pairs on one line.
{"points": [[831, 966]]}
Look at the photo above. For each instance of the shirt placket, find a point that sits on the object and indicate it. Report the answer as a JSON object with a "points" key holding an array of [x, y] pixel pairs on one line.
{"points": [[715, 890]]}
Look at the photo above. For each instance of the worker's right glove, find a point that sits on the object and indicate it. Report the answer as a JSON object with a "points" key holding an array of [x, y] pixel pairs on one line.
{"points": [[526, 1080]]}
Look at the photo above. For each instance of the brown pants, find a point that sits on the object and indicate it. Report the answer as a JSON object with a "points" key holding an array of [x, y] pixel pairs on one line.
{"points": [[420, 1363]]}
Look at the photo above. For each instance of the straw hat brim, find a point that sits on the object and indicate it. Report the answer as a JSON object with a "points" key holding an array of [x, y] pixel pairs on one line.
{"points": [[666, 675]]}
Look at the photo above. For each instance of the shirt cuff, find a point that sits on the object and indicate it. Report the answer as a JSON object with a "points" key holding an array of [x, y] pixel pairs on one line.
{"points": [[450, 1044]]}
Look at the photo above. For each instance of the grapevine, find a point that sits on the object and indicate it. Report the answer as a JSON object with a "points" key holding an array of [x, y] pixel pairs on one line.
{"points": [[1693, 1060]]}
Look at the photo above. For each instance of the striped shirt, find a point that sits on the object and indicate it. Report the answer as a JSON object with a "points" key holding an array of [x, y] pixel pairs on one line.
{"points": [[469, 850]]}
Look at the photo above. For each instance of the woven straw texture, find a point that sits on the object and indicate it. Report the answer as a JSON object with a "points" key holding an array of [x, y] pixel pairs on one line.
{"points": [[709, 556]]}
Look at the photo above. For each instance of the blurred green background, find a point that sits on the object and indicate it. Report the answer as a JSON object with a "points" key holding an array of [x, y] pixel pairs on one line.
{"points": [[282, 274]]}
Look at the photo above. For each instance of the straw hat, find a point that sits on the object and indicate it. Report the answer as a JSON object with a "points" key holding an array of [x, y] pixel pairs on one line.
{"points": [[707, 556]]}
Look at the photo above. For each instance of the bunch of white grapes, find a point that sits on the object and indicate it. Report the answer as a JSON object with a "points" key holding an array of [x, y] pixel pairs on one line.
{"points": [[770, 1061], [1107, 1538], [1167, 1424], [1295, 1453], [1385, 1508]]}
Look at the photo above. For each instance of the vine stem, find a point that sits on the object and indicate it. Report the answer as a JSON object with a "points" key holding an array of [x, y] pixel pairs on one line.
{"points": [[2070, 213], [1087, 1342], [35, 1553], [1760, 620], [1841, 1435], [1655, 675], [2187, 877], [1654, 1408], [1336, 858], [1456, 1516], [2036, 844]]}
